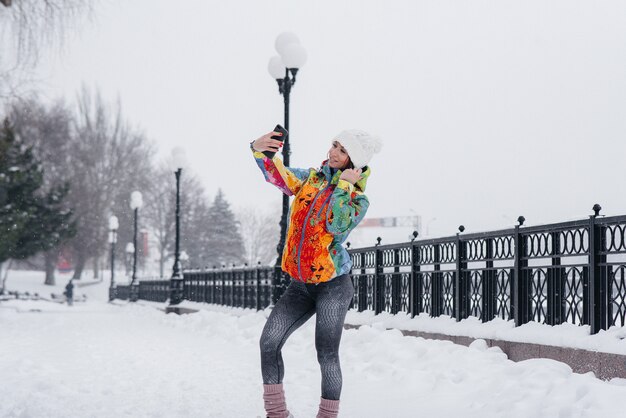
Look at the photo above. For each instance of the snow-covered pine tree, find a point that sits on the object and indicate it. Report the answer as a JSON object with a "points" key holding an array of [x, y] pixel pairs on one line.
{"points": [[47, 129], [29, 220], [20, 177], [226, 244]]}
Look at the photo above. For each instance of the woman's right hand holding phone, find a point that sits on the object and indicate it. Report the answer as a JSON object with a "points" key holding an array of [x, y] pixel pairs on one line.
{"points": [[266, 143]]}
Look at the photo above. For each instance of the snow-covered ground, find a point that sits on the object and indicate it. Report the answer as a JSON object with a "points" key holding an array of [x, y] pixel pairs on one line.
{"points": [[130, 360]]}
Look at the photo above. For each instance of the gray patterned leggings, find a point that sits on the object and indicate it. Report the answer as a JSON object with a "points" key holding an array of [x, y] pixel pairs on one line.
{"points": [[330, 301]]}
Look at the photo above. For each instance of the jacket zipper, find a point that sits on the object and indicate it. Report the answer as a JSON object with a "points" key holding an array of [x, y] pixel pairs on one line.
{"points": [[324, 205]]}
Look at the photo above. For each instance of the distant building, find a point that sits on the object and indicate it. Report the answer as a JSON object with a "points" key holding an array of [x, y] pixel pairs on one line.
{"points": [[392, 229]]}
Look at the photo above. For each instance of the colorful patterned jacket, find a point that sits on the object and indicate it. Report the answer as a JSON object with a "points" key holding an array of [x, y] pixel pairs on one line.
{"points": [[322, 214]]}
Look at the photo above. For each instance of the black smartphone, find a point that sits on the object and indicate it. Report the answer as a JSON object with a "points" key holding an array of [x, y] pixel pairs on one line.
{"points": [[280, 138]]}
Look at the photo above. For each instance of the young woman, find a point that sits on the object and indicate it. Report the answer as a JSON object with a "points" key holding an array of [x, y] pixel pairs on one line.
{"points": [[329, 202]]}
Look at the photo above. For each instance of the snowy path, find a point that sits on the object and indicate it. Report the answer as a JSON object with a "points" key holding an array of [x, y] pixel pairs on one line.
{"points": [[99, 360]]}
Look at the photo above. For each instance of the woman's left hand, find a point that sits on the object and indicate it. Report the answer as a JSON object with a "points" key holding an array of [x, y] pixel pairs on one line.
{"points": [[351, 175]]}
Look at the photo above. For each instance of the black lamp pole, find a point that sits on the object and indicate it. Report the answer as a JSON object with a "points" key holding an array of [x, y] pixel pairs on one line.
{"points": [[134, 276], [176, 282], [134, 288], [112, 263], [292, 57], [112, 286], [284, 88], [176, 268]]}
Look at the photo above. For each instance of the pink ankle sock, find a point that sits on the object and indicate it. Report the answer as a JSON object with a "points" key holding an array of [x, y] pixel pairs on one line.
{"points": [[274, 399], [328, 408]]}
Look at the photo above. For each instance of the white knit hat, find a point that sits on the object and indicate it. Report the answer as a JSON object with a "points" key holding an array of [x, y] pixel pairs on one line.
{"points": [[360, 145]]}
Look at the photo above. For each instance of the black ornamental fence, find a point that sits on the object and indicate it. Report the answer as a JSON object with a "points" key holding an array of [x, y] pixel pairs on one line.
{"points": [[244, 287], [570, 272]]}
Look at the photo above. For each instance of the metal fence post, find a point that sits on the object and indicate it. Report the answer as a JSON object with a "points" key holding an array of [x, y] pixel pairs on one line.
{"points": [[192, 286], [237, 290], [519, 288], [233, 287], [245, 275], [185, 283], [269, 289], [257, 284], [362, 285], [207, 285], [202, 279], [489, 291], [598, 300], [436, 286], [379, 281], [241, 294], [554, 281], [396, 283], [461, 294], [198, 283], [213, 291], [415, 285], [222, 281]]}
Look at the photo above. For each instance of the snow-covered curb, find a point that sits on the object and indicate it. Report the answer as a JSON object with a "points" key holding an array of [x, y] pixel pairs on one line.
{"points": [[197, 306], [564, 335]]}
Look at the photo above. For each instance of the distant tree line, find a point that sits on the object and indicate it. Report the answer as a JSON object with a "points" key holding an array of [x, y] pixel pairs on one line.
{"points": [[64, 170]]}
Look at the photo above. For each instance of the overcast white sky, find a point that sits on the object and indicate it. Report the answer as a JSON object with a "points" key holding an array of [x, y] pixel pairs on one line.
{"points": [[488, 109]]}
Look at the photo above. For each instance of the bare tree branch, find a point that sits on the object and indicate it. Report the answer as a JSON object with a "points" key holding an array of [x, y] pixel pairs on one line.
{"points": [[26, 28], [109, 160]]}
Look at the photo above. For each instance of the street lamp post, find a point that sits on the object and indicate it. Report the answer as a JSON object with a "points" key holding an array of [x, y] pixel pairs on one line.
{"points": [[113, 226], [283, 68], [136, 202], [178, 162]]}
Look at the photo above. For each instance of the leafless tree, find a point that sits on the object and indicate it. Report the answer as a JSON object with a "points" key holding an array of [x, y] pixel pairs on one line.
{"points": [[108, 160], [260, 233], [32, 24]]}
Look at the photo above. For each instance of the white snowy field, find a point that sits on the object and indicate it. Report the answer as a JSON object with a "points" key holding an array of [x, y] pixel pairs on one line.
{"points": [[130, 360]]}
